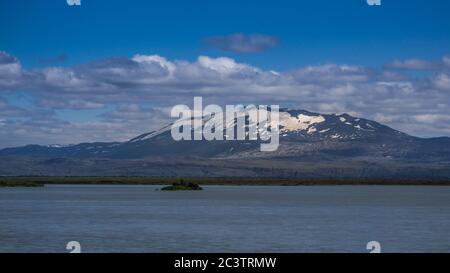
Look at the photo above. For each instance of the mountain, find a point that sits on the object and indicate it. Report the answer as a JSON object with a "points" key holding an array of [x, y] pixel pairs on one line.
{"points": [[311, 144]]}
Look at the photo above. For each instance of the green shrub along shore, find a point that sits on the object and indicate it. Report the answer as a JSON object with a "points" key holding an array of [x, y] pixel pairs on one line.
{"points": [[253, 181], [20, 184]]}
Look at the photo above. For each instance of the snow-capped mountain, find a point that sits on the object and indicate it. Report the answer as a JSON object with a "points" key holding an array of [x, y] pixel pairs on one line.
{"points": [[301, 133], [310, 126], [304, 137]]}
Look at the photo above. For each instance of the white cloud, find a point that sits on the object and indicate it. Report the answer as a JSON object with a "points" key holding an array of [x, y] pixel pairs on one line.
{"points": [[442, 82], [155, 59], [10, 70], [223, 65], [432, 118], [413, 64], [446, 61]]}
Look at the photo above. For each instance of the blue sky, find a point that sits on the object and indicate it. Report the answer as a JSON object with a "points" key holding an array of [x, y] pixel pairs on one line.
{"points": [[310, 32], [100, 70]]}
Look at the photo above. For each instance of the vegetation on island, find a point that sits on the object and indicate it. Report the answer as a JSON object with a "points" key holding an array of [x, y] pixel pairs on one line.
{"points": [[183, 186]]}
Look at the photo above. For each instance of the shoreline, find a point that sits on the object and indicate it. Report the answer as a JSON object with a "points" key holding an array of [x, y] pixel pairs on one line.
{"points": [[204, 181]]}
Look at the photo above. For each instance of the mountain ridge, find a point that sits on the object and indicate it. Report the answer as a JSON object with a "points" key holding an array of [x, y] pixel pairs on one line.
{"points": [[341, 142]]}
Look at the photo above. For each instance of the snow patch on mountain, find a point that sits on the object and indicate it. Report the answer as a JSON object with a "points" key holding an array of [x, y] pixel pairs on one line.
{"points": [[59, 145], [301, 122], [360, 128]]}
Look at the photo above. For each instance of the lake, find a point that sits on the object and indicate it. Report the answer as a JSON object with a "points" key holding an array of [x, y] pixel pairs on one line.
{"points": [[225, 219]]}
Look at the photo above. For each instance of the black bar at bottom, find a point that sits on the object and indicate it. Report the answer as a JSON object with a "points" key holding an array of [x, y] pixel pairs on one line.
{"points": [[192, 262]]}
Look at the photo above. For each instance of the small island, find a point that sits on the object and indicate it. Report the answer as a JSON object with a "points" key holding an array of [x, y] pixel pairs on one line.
{"points": [[182, 186]]}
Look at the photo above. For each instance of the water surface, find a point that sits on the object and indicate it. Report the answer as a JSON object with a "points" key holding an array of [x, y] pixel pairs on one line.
{"points": [[225, 219]]}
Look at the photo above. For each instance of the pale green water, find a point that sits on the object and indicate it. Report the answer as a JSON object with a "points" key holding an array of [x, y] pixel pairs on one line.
{"points": [[225, 219]]}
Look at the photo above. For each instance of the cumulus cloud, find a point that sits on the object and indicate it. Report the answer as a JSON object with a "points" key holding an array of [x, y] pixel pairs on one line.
{"points": [[432, 118], [446, 61], [419, 64], [124, 88], [442, 81], [243, 43], [10, 70]]}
